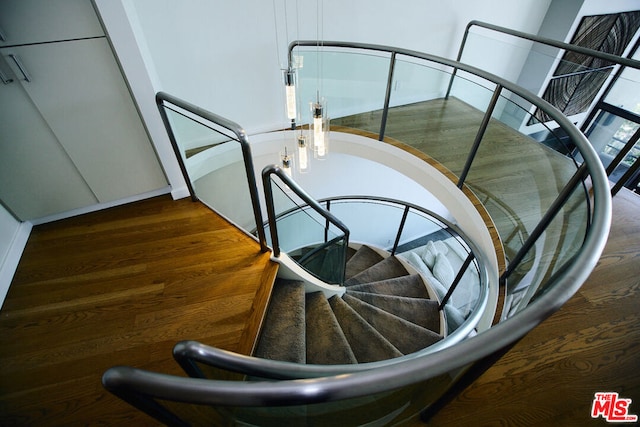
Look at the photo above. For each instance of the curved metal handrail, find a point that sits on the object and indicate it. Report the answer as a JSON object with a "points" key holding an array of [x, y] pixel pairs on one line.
{"points": [[310, 201], [121, 380], [572, 132], [469, 323], [238, 131], [550, 42]]}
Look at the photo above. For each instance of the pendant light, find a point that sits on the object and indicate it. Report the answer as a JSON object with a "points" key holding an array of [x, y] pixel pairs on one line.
{"points": [[303, 153], [320, 122], [287, 163], [290, 91]]}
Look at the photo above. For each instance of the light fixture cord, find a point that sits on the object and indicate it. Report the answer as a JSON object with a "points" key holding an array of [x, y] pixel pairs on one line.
{"points": [[275, 25]]}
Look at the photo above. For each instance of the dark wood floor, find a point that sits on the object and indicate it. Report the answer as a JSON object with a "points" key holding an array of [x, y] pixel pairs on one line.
{"points": [[592, 344], [121, 287]]}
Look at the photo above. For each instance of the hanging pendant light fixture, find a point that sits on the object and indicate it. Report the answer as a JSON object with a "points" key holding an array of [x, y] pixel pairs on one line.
{"points": [[290, 91], [320, 122], [303, 154], [287, 163], [319, 129]]}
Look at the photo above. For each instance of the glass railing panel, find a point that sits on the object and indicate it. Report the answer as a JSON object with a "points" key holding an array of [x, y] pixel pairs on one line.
{"points": [[381, 224], [448, 127], [394, 407], [609, 134], [214, 164], [517, 196], [554, 251], [625, 92], [518, 114], [514, 59], [527, 63], [315, 244], [420, 116], [439, 253], [416, 80], [353, 82]]}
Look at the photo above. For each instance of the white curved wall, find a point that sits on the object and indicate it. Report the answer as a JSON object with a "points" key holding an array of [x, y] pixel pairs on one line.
{"points": [[358, 165]]}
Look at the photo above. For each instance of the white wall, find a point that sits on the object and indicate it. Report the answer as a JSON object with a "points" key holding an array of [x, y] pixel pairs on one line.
{"points": [[223, 55], [13, 238], [120, 22]]}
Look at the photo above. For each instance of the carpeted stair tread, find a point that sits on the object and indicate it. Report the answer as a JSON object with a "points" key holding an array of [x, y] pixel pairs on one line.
{"points": [[326, 343], [367, 344], [283, 332], [350, 253], [364, 258], [407, 337], [405, 286], [386, 269], [420, 311]]}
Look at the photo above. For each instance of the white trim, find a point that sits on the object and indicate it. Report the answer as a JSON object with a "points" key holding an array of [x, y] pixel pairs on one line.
{"points": [[106, 205], [10, 262], [120, 21]]}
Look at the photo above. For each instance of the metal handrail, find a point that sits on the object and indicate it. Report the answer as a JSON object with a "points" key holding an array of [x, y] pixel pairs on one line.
{"points": [[620, 60], [189, 351], [475, 253], [310, 201], [501, 84], [550, 42], [140, 387], [238, 131]]}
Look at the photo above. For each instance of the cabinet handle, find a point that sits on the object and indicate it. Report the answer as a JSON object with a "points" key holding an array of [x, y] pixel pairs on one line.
{"points": [[27, 77], [3, 37], [5, 79]]}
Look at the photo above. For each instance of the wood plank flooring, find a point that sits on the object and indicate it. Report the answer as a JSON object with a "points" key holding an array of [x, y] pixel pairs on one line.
{"points": [[517, 179], [106, 308], [591, 344], [122, 286]]}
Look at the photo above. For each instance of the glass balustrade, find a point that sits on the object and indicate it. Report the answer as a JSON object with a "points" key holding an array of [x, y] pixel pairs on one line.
{"points": [[214, 157], [519, 167], [551, 213], [307, 237], [432, 246]]}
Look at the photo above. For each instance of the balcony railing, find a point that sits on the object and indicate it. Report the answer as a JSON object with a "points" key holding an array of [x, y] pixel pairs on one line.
{"points": [[561, 223]]}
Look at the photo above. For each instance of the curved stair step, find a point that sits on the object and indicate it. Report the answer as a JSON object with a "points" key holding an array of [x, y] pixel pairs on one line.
{"points": [[420, 311], [405, 286], [386, 269], [364, 258], [407, 337], [283, 333], [367, 344], [326, 343]]}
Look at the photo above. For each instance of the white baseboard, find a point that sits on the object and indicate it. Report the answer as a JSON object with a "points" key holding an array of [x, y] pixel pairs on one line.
{"points": [[180, 193], [19, 241], [12, 258], [100, 206]]}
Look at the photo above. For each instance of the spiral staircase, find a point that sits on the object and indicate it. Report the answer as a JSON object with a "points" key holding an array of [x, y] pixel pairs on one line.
{"points": [[385, 312], [375, 347]]}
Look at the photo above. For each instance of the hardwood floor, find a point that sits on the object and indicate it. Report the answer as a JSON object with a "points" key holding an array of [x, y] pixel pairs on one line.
{"points": [[591, 344], [121, 286]]}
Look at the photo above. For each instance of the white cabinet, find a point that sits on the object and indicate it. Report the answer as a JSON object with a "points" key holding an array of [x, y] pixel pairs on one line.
{"points": [[38, 21], [37, 178], [69, 127]]}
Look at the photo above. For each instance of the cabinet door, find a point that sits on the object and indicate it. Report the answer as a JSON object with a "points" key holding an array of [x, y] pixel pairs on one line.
{"points": [[37, 178], [80, 92], [37, 21]]}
